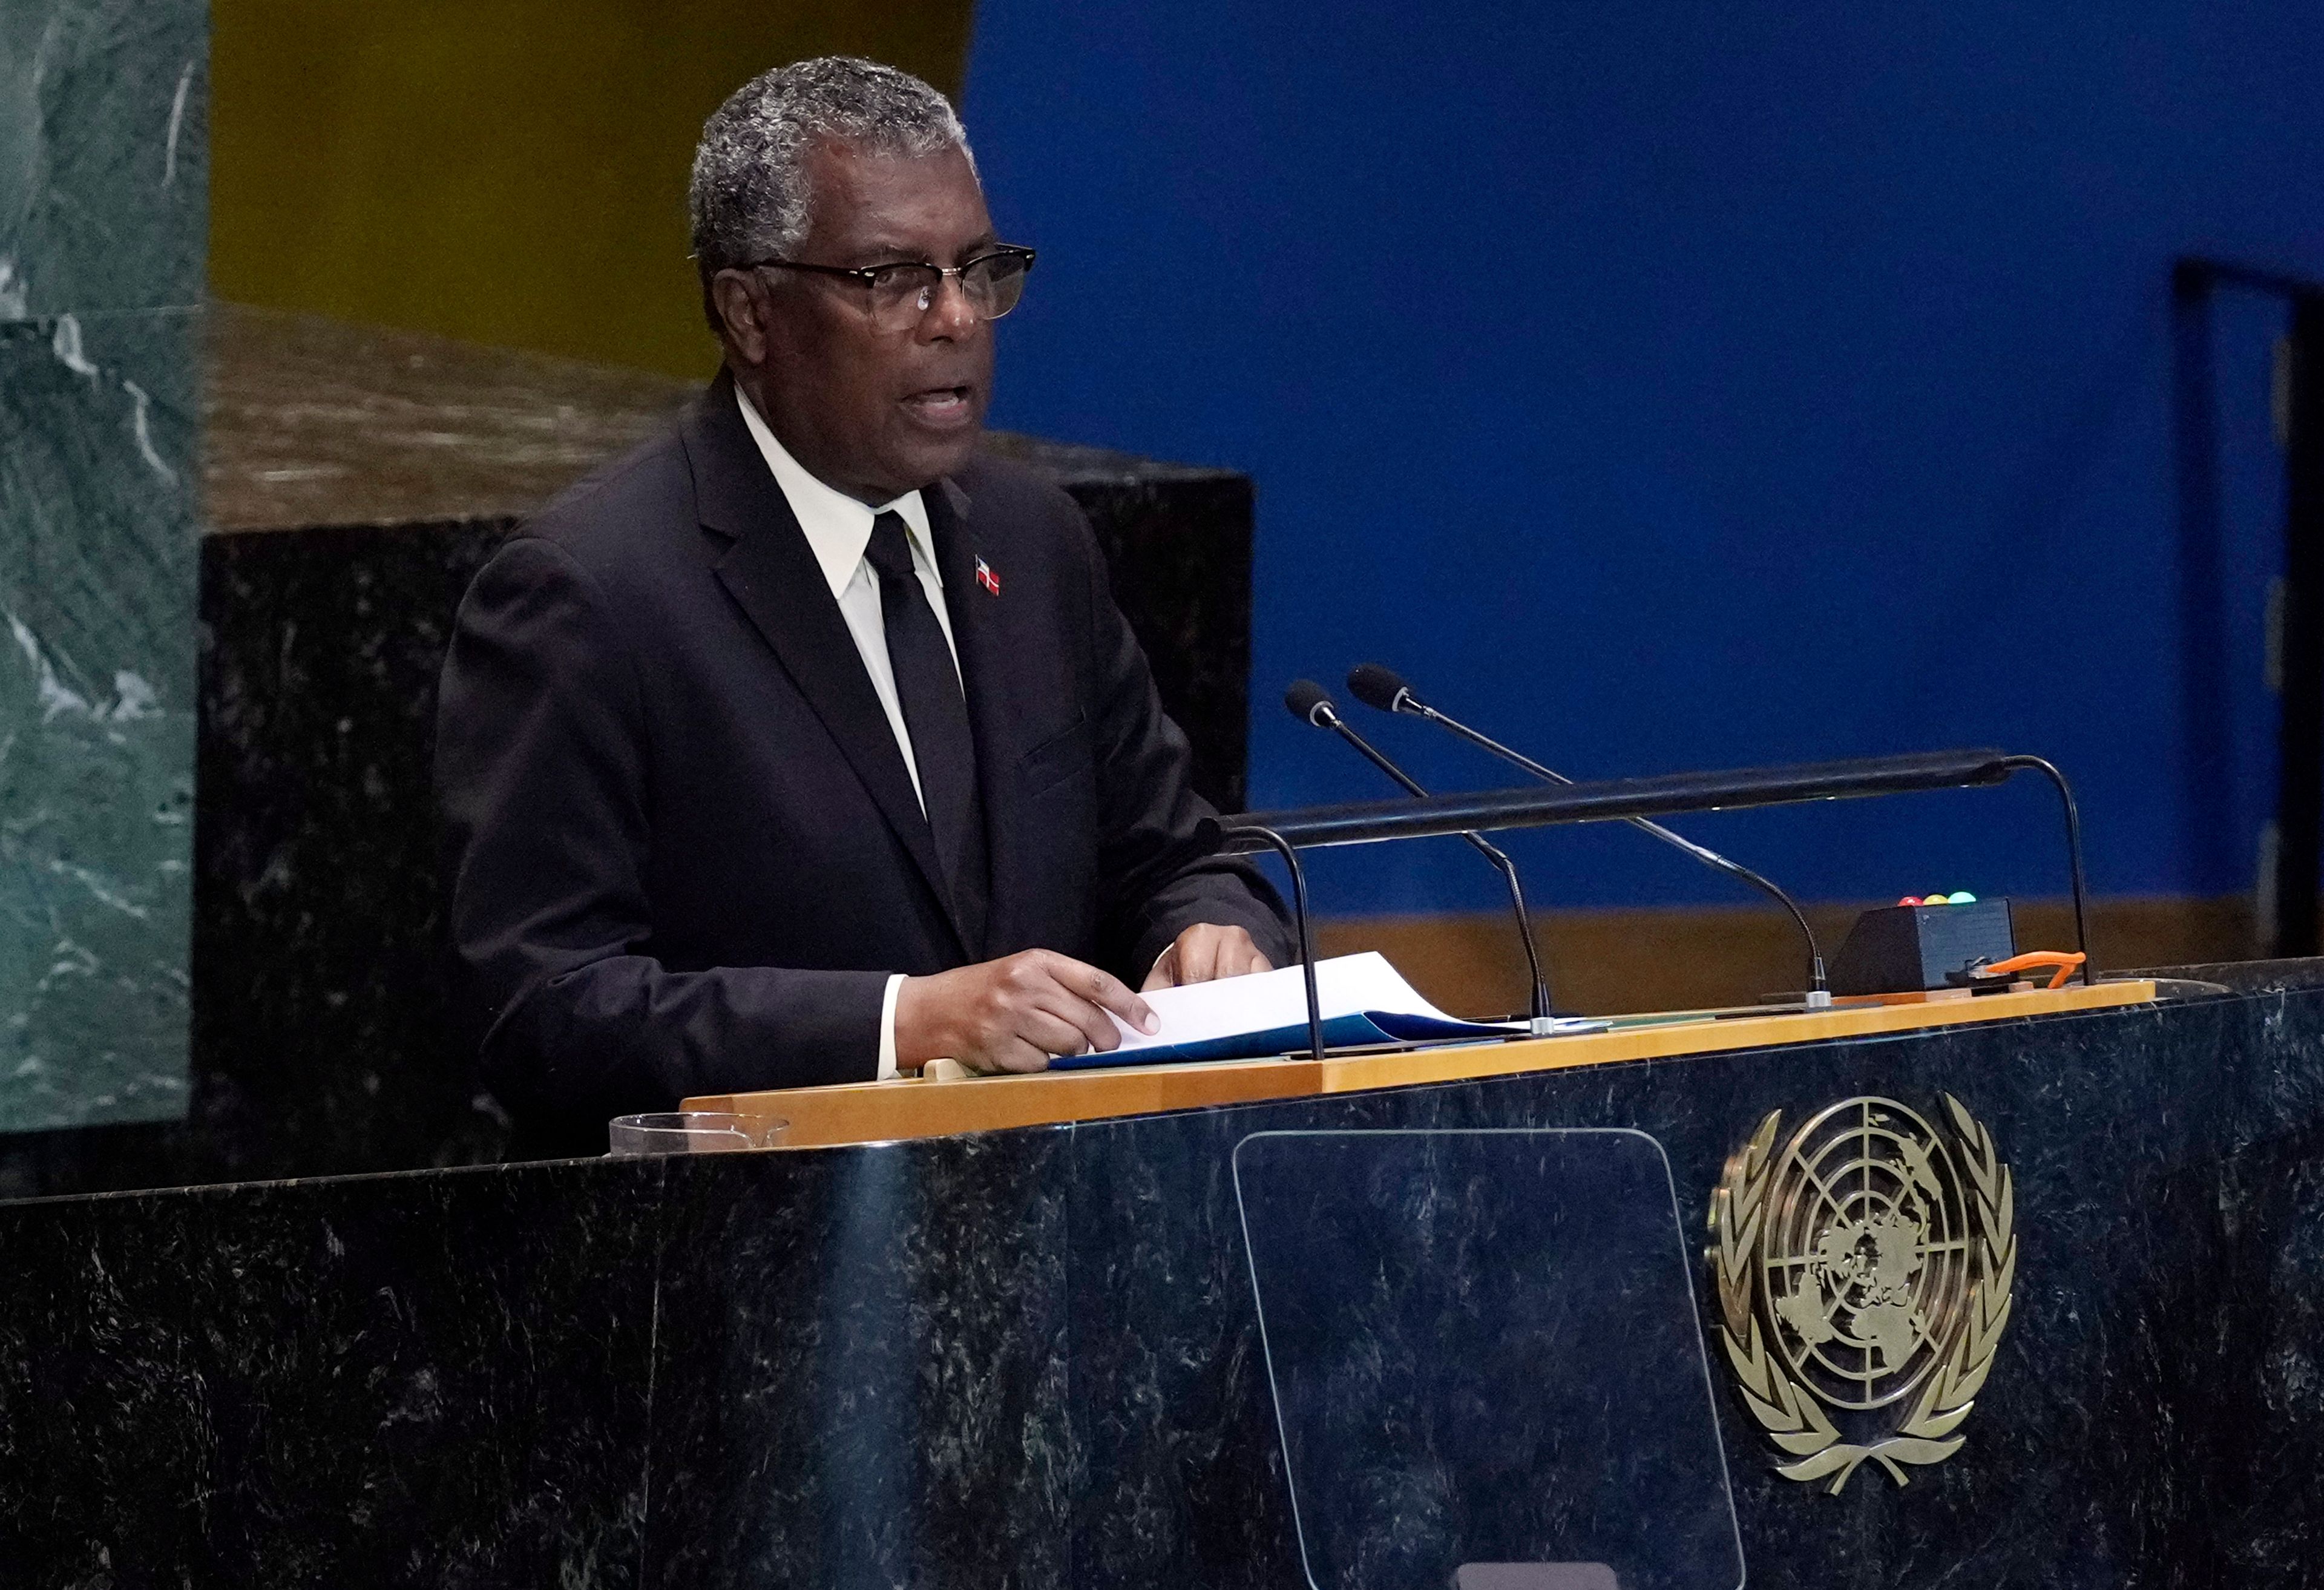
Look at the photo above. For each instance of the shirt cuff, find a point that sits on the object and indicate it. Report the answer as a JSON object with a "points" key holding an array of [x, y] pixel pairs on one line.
{"points": [[888, 1028]]}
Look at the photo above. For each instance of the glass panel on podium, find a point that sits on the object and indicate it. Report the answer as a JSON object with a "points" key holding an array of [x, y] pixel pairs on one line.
{"points": [[1487, 1360]]}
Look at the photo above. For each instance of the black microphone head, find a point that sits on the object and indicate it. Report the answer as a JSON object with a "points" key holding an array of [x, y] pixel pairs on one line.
{"points": [[1307, 701], [1378, 687]]}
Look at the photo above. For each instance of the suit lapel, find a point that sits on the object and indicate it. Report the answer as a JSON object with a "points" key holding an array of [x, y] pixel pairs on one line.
{"points": [[979, 636], [773, 577]]}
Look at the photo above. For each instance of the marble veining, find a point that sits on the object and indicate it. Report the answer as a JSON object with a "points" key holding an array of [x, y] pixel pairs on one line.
{"points": [[104, 156], [104, 195], [97, 717], [870, 1386]]}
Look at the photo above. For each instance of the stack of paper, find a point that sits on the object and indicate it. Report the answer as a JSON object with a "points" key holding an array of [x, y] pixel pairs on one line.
{"points": [[1365, 1000]]}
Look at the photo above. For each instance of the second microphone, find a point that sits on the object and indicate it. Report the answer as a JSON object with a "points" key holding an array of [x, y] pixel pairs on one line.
{"points": [[1309, 703]]}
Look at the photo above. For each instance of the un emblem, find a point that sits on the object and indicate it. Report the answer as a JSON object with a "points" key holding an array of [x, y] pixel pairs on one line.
{"points": [[1864, 1277]]}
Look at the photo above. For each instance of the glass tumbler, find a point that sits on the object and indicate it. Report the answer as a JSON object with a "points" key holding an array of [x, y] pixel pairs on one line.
{"points": [[692, 1131]]}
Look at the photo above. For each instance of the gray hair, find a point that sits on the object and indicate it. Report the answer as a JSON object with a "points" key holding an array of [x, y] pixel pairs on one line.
{"points": [[748, 197]]}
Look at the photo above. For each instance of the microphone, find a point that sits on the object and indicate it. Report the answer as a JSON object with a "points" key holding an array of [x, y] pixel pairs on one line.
{"points": [[1385, 689], [1307, 701]]}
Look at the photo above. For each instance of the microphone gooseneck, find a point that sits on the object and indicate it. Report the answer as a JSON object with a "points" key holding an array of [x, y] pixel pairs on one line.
{"points": [[1385, 689], [1307, 701]]}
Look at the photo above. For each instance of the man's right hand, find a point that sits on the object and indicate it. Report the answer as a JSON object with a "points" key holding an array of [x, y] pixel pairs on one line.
{"points": [[1014, 1015]]}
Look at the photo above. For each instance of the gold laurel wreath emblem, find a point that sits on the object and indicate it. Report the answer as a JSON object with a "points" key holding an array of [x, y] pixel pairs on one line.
{"points": [[1788, 1409]]}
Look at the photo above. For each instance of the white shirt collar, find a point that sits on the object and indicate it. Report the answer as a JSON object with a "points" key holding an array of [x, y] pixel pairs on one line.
{"points": [[837, 526]]}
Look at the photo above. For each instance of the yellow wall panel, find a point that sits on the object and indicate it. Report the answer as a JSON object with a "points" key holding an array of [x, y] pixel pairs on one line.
{"points": [[508, 171]]}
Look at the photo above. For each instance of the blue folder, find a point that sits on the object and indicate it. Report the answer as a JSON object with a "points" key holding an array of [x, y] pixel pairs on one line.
{"points": [[1365, 1027]]}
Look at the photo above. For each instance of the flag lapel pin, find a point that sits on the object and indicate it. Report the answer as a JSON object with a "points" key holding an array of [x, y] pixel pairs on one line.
{"points": [[986, 577]]}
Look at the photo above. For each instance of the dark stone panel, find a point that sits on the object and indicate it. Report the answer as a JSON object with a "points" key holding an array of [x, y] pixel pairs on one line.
{"points": [[322, 1040], [2246, 976], [1031, 1358], [860, 1374], [438, 1379], [2263, 1291], [1177, 541], [1179, 552], [1186, 1481]]}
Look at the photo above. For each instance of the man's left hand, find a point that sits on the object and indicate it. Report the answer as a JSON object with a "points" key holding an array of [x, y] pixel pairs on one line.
{"points": [[1204, 953]]}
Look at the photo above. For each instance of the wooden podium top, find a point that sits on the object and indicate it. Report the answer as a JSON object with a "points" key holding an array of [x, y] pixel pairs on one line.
{"points": [[909, 1106]]}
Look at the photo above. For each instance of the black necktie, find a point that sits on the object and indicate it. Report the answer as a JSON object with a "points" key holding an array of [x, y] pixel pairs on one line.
{"points": [[936, 716]]}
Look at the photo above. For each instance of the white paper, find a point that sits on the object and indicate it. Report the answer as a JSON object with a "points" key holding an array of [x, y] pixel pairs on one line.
{"points": [[1345, 986]]}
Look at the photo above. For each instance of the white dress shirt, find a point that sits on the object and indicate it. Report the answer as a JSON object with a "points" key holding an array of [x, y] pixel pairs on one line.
{"points": [[838, 528]]}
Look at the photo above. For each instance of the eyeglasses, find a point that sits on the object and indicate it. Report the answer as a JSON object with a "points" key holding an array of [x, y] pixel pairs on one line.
{"points": [[897, 296]]}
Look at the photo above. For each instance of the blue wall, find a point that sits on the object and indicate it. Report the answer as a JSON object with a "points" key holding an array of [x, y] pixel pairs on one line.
{"points": [[1678, 385]]}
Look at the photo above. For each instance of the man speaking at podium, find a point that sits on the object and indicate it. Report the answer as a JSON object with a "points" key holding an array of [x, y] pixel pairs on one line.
{"points": [[805, 743]]}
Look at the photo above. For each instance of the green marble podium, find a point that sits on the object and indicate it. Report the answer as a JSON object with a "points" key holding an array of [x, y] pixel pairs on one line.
{"points": [[103, 216]]}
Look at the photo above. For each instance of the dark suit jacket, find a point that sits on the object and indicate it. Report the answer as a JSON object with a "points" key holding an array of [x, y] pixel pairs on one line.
{"points": [[684, 851]]}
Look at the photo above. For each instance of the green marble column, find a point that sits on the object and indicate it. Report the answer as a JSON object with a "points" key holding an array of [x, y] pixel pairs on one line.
{"points": [[103, 210]]}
